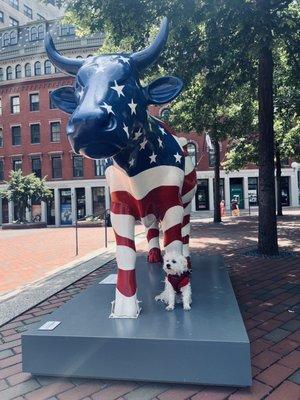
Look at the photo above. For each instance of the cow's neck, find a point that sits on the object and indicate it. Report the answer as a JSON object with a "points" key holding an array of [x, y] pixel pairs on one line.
{"points": [[143, 143]]}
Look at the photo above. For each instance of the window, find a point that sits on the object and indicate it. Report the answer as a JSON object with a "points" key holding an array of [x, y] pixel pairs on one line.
{"points": [[192, 152], [37, 69], [165, 114], [211, 157], [1, 74], [1, 137], [77, 166], [253, 191], [33, 33], [39, 16], [56, 167], [52, 106], [55, 131], [27, 70], [1, 16], [36, 167], [34, 102], [18, 71], [15, 104], [40, 32], [99, 167], [14, 4], [67, 30], [13, 37], [17, 165], [1, 170], [5, 39], [16, 135], [98, 194], [9, 73], [13, 22], [47, 67], [27, 11], [35, 136]]}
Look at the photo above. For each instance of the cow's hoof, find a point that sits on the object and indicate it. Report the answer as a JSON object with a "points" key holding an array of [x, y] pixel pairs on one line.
{"points": [[154, 255], [170, 308]]}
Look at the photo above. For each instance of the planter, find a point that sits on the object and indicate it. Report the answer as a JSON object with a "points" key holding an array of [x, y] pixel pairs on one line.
{"points": [[29, 225], [90, 224]]}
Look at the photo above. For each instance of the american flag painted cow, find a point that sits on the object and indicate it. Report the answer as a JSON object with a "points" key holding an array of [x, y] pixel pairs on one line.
{"points": [[150, 176]]}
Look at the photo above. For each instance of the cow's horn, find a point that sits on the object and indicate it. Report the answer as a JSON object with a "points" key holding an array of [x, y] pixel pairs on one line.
{"points": [[69, 65], [144, 58]]}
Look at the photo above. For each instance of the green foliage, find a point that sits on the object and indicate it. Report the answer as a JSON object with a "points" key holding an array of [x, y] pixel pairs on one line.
{"points": [[22, 189]]}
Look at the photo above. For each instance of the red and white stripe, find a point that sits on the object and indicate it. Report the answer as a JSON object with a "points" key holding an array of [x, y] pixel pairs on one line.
{"points": [[140, 197]]}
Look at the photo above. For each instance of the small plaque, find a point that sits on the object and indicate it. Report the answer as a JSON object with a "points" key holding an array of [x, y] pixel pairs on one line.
{"points": [[49, 325], [109, 280]]}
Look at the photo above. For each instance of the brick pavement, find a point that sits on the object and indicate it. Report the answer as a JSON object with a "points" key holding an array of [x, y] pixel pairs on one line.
{"points": [[38, 253], [269, 299]]}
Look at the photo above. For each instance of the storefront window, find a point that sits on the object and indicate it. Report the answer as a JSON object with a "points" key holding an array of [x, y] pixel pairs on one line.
{"points": [[80, 203], [202, 195], [65, 207], [98, 194], [253, 191]]}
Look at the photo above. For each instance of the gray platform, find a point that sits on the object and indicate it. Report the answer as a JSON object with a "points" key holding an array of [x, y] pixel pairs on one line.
{"points": [[207, 345]]}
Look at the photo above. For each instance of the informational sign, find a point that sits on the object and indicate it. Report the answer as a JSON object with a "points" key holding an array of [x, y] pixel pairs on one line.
{"points": [[49, 325], [109, 280]]}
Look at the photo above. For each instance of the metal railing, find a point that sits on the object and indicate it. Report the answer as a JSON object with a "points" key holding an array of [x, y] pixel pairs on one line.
{"points": [[93, 218]]}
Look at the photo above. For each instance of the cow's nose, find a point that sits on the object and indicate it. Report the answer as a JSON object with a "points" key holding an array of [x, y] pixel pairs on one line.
{"points": [[168, 266]]}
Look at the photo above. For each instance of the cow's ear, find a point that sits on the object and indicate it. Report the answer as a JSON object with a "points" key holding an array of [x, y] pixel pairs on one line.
{"points": [[65, 99], [163, 90]]}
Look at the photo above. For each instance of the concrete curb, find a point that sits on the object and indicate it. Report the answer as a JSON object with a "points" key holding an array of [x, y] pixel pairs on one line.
{"points": [[16, 303]]}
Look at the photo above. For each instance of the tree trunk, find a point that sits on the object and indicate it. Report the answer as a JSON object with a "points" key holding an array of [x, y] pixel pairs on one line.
{"points": [[217, 197], [278, 182], [267, 224]]}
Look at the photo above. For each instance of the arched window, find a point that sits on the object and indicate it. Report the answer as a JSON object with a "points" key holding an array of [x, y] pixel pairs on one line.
{"points": [[79, 57], [1, 74], [165, 114], [47, 67], [37, 69], [18, 71], [90, 55], [33, 33], [27, 70], [192, 151], [14, 37], [9, 73], [40, 32], [5, 39]]}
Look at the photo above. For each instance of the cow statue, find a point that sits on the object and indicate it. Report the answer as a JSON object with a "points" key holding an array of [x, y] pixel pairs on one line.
{"points": [[149, 173]]}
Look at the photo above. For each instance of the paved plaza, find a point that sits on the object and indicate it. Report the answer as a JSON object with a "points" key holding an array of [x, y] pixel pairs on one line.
{"points": [[269, 300], [30, 255]]}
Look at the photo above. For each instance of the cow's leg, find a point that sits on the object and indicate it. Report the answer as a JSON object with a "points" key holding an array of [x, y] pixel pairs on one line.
{"points": [[171, 225], [126, 303], [154, 255], [185, 231]]}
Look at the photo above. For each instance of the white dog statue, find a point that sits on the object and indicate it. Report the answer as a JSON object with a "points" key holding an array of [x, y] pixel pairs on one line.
{"points": [[177, 282]]}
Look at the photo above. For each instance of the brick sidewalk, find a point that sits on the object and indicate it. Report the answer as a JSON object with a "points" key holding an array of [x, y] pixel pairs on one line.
{"points": [[32, 254], [269, 300]]}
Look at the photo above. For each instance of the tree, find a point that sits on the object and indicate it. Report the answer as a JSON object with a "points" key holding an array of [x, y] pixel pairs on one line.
{"points": [[233, 40], [22, 189]]}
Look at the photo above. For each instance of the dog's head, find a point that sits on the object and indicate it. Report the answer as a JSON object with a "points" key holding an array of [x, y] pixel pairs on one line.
{"points": [[174, 264]]}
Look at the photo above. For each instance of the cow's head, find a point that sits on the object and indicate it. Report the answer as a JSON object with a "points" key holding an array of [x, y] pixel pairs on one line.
{"points": [[108, 103]]}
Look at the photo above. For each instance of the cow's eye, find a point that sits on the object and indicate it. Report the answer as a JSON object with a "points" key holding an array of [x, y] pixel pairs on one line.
{"points": [[173, 261]]}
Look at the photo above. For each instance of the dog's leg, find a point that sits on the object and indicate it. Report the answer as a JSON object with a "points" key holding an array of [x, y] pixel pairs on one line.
{"points": [[186, 296], [164, 294], [171, 295]]}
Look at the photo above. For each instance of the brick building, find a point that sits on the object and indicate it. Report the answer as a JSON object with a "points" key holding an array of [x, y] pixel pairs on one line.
{"points": [[32, 135]]}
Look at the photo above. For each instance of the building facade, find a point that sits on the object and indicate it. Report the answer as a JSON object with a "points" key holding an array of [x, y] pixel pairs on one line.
{"points": [[32, 136], [32, 130], [20, 12]]}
